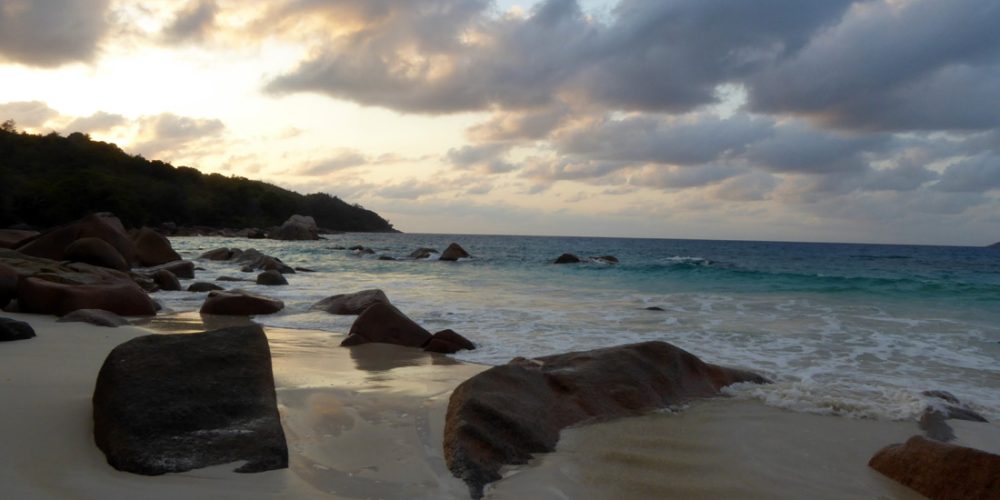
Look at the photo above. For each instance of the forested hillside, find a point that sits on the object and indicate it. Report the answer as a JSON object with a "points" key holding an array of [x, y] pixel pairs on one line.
{"points": [[49, 180]]}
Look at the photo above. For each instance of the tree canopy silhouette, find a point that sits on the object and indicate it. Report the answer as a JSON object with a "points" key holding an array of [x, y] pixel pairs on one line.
{"points": [[49, 180]]}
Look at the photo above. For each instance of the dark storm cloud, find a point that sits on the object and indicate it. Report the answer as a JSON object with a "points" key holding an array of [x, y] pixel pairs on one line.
{"points": [[193, 22], [797, 147], [644, 59], [972, 175], [647, 139], [916, 65], [50, 33]]}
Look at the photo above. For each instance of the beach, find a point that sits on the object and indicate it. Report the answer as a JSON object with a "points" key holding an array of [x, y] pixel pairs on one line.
{"points": [[366, 422]]}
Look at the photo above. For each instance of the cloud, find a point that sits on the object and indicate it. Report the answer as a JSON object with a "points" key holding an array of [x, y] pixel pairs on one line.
{"points": [[972, 175], [175, 134], [685, 140], [29, 114], [193, 22], [798, 147], [97, 122], [340, 160], [900, 65], [51, 33]]}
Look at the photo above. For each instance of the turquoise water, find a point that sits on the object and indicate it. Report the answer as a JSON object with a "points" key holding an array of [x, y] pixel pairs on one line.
{"points": [[849, 329]]}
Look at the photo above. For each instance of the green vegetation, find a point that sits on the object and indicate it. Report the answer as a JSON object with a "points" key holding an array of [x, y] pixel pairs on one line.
{"points": [[49, 180]]}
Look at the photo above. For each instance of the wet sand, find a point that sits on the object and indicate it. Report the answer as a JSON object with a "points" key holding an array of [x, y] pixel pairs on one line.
{"points": [[366, 422]]}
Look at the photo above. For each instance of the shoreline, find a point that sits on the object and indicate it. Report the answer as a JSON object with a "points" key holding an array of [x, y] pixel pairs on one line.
{"points": [[367, 422]]}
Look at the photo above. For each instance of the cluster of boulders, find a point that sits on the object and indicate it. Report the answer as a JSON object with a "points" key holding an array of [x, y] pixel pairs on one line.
{"points": [[296, 228], [380, 321], [452, 253]]}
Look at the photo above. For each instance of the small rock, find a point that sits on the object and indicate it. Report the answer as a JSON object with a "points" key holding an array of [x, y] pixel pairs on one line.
{"points": [[304, 270], [239, 303], [182, 269], [607, 259], [382, 322], [448, 342], [351, 303], [655, 308], [271, 278], [97, 317], [385, 257], [219, 254], [166, 280], [12, 329], [567, 258], [453, 253], [422, 253], [202, 286]]}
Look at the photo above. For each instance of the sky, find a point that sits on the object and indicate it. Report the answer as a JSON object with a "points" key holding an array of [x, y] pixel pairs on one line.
{"points": [[836, 120]]}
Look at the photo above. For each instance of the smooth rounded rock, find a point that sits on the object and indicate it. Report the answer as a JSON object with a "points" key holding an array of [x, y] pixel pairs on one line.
{"points": [[153, 249], [567, 258], [35, 295], [166, 280], [448, 342], [98, 317], [351, 303], [453, 253], [202, 286], [382, 322], [940, 471], [12, 329], [239, 303], [97, 252], [271, 278]]}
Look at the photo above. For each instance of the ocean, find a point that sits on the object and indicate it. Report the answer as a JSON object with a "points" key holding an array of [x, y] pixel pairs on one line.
{"points": [[843, 329]]}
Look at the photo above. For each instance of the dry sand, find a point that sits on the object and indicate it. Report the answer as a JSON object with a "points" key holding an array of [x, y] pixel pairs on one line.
{"points": [[366, 422]]}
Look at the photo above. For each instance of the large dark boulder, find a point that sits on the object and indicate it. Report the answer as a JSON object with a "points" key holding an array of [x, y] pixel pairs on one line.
{"points": [[941, 471], [351, 303], [505, 414], [96, 317], [13, 238], [567, 258], [171, 403], [382, 322], [153, 249], [297, 227], [97, 252], [12, 329], [254, 260], [271, 278], [239, 303], [448, 342], [453, 253], [42, 296], [107, 227]]}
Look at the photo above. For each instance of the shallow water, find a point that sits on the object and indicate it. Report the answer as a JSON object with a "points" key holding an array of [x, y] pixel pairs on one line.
{"points": [[856, 330]]}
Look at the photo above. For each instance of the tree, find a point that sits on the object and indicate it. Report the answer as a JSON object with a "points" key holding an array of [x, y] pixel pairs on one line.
{"points": [[9, 126]]}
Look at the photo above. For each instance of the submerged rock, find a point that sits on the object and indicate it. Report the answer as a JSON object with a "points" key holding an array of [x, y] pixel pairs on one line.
{"points": [[566, 258], [453, 253], [239, 303], [351, 303], [505, 414], [940, 471], [606, 259], [12, 329], [183, 269], [382, 322], [98, 317], [422, 253], [944, 406], [202, 286], [221, 254], [172, 403]]}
